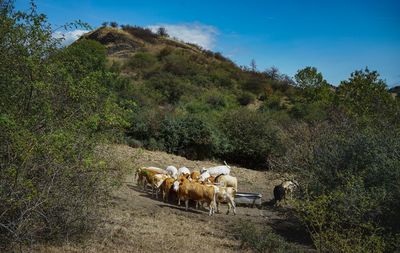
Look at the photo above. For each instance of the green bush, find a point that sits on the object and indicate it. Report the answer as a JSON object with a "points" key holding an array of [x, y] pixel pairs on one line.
{"points": [[349, 174], [252, 137], [246, 98], [342, 220], [188, 136], [57, 106], [171, 87], [142, 60], [262, 240]]}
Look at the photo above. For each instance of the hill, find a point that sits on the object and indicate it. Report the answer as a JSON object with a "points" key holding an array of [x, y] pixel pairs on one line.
{"points": [[130, 39], [181, 87]]}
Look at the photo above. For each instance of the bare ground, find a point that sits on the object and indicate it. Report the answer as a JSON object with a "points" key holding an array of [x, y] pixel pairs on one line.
{"points": [[136, 222]]}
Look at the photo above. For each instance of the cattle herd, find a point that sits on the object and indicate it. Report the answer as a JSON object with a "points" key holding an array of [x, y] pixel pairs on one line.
{"points": [[212, 186]]}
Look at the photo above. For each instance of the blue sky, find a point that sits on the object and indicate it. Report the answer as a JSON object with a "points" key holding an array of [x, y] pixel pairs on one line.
{"points": [[337, 37]]}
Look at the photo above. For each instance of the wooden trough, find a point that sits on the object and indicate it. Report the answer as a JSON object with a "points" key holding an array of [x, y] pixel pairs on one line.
{"points": [[248, 198]]}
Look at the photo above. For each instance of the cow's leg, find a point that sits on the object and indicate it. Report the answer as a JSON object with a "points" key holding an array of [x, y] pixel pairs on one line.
{"points": [[186, 204], [233, 205], [211, 207], [144, 183], [165, 197]]}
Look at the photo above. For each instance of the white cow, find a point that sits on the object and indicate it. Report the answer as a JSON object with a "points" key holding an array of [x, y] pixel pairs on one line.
{"points": [[183, 170], [226, 195], [227, 181], [218, 170], [204, 176], [172, 171]]}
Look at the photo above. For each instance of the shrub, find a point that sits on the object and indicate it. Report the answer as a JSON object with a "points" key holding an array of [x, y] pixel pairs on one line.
{"points": [[252, 137], [170, 87], [342, 220], [246, 98], [262, 240], [142, 60], [349, 173], [188, 136]]}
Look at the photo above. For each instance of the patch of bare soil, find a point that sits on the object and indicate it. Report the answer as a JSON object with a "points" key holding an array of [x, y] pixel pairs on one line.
{"points": [[136, 222]]}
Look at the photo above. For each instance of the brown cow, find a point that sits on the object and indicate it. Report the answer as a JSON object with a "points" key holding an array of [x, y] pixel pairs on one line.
{"points": [[166, 187], [140, 174], [195, 191], [195, 175], [146, 176]]}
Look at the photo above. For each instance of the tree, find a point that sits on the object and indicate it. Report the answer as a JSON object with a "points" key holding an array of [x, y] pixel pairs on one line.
{"points": [[309, 77], [161, 31], [313, 85], [114, 24], [104, 24], [364, 93], [273, 73], [253, 65]]}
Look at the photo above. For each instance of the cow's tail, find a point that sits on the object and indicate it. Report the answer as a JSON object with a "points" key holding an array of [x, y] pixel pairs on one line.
{"points": [[227, 165]]}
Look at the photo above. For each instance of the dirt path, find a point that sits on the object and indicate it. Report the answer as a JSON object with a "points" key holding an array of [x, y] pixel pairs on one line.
{"points": [[139, 223]]}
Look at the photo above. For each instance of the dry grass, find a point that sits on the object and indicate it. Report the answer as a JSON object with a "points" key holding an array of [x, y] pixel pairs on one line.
{"points": [[135, 222]]}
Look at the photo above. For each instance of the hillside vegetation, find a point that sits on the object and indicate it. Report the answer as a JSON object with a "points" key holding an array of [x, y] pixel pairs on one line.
{"points": [[147, 90]]}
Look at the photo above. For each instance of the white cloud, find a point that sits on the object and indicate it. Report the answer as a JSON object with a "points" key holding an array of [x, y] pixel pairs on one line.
{"points": [[202, 35], [69, 37]]}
